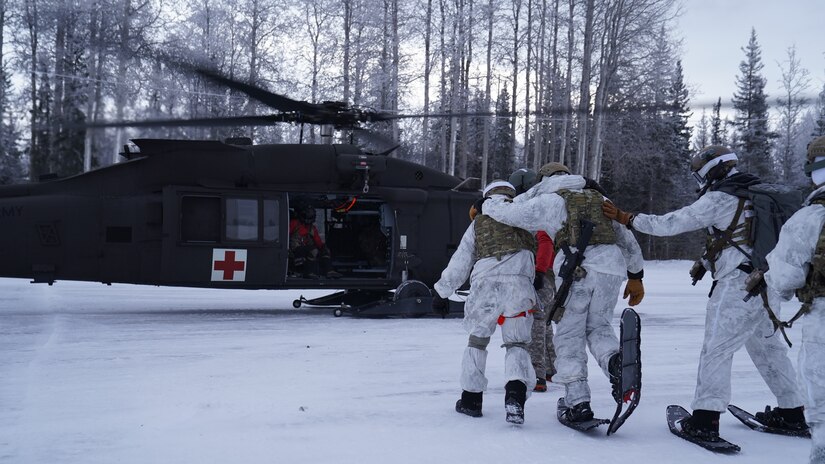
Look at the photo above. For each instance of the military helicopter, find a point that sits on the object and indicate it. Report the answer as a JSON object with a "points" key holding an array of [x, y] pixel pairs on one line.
{"points": [[217, 214]]}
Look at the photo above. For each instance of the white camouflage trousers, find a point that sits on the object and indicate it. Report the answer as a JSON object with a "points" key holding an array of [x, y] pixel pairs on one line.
{"points": [[731, 323], [812, 377], [586, 322], [488, 299]]}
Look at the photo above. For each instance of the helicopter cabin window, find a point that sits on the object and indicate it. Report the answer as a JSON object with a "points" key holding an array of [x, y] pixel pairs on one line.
{"points": [[242, 219], [200, 219], [271, 215]]}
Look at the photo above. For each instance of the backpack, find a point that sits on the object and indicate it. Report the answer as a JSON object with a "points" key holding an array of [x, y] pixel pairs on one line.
{"points": [[773, 205]]}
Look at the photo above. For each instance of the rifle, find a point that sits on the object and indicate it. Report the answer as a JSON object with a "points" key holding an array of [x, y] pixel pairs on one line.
{"points": [[569, 271]]}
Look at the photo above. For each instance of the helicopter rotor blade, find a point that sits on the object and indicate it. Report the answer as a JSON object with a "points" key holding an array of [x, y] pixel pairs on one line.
{"points": [[196, 122], [390, 116], [273, 100]]}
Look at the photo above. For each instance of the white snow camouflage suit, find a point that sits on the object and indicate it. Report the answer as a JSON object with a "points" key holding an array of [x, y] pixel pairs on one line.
{"points": [[730, 322], [789, 263], [497, 287], [589, 310]]}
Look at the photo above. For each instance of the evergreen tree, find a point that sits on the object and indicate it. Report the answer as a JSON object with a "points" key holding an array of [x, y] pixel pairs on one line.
{"points": [[11, 169], [40, 143], [679, 115], [754, 139], [502, 158], [69, 140], [716, 127], [819, 128], [702, 132]]}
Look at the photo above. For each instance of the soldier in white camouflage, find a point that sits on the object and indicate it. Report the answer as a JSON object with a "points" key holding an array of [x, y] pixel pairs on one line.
{"points": [[542, 351], [797, 263], [499, 261]]}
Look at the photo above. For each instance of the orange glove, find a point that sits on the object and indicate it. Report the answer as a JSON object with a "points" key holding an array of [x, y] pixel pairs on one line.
{"points": [[476, 208], [611, 212], [635, 290]]}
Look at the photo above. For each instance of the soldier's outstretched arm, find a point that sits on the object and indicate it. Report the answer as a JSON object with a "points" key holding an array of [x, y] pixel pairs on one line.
{"points": [[631, 250], [543, 212], [708, 210], [460, 265]]}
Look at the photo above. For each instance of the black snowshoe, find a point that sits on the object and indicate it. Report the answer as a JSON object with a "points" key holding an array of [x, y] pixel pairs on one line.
{"points": [[625, 368], [702, 430], [781, 421], [515, 395], [579, 417], [469, 404]]}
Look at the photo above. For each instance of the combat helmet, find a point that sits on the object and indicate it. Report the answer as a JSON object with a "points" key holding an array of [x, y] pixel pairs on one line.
{"points": [[522, 179], [550, 169], [712, 163], [306, 214], [499, 187], [816, 149]]}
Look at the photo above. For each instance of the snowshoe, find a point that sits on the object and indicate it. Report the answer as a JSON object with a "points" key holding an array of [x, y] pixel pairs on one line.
{"points": [[514, 398], [625, 369], [469, 404], [781, 421], [579, 417], [680, 424]]}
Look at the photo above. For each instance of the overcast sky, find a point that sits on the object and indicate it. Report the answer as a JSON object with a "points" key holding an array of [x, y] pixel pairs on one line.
{"points": [[715, 31]]}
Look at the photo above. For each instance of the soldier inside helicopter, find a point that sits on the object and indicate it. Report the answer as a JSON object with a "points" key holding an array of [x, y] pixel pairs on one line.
{"points": [[309, 257], [346, 240]]}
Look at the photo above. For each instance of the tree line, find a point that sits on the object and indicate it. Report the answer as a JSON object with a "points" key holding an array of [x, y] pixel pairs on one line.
{"points": [[595, 84]]}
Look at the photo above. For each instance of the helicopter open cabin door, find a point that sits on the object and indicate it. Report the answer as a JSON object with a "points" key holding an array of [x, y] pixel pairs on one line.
{"points": [[340, 239], [224, 238]]}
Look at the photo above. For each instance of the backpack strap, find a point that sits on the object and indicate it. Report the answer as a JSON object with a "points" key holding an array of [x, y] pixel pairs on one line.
{"points": [[777, 323], [721, 239]]}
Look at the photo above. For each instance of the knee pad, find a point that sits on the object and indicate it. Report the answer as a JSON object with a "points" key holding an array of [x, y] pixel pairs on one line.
{"points": [[521, 345], [479, 343]]}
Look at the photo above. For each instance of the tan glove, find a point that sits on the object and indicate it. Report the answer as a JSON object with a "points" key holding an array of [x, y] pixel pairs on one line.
{"points": [[611, 212], [635, 290], [473, 212]]}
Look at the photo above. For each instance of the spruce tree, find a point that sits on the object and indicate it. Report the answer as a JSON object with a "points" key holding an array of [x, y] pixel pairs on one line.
{"points": [[819, 127], [702, 132], [716, 127], [679, 114], [11, 169], [501, 148], [754, 138]]}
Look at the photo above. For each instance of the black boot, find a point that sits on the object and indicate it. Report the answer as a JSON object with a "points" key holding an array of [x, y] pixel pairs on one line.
{"points": [[515, 395], [614, 369], [541, 385], [580, 412], [703, 424], [788, 419], [469, 404]]}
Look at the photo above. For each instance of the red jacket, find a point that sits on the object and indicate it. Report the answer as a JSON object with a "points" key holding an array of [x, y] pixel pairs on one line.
{"points": [[307, 234], [545, 252]]}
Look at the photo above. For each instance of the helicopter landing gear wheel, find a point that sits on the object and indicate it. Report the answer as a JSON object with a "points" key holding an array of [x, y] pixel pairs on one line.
{"points": [[338, 312], [411, 289], [296, 304]]}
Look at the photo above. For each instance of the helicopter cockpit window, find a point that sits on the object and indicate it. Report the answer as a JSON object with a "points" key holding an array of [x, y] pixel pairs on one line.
{"points": [[271, 216], [200, 219], [241, 219]]}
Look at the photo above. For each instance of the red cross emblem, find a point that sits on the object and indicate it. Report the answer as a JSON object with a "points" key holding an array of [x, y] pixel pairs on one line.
{"points": [[228, 265]]}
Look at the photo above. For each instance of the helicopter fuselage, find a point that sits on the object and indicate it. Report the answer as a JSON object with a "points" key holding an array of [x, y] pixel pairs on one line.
{"points": [[209, 214]]}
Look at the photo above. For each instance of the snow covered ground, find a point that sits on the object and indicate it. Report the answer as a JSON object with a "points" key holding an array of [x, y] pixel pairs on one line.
{"points": [[133, 374]]}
